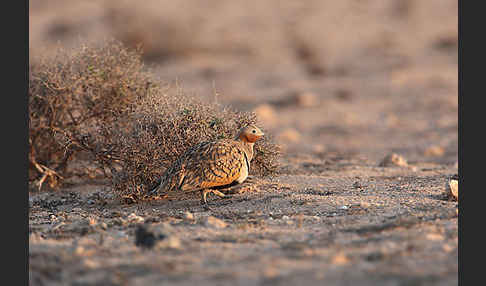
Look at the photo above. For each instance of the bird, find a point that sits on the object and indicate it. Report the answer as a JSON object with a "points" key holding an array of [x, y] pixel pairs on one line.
{"points": [[210, 166]]}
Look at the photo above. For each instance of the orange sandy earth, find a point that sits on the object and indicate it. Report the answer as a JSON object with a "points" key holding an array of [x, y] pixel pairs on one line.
{"points": [[340, 84]]}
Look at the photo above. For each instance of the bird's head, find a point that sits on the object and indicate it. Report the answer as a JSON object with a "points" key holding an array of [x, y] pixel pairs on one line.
{"points": [[250, 134]]}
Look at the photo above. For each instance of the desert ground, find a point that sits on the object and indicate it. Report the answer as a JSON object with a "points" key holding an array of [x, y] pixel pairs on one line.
{"points": [[339, 84]]}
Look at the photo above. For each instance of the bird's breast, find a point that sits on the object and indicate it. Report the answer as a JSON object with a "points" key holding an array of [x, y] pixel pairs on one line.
{"points": [[244, 170]]}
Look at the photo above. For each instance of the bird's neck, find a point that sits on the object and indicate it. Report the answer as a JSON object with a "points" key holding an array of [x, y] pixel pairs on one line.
{"points": [[248, 147]]}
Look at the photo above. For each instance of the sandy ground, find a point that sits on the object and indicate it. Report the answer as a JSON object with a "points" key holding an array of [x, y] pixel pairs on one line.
{"points": [[340, 84]]}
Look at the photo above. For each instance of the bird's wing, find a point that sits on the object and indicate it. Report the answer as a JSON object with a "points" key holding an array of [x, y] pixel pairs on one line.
{"points": [[213, 164]]}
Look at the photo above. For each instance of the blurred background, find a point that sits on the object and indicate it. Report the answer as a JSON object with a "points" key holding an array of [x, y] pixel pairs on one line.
{"points": [[356, 77]]}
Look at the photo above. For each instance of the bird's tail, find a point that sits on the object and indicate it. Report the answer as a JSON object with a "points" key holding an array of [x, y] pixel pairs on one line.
{"points": [[161, 188], [168, 183], [157, 189]]}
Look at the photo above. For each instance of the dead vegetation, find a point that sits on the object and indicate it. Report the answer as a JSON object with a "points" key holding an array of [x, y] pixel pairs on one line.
{"points": [[100, 104], [163, 126], [73, 93]]}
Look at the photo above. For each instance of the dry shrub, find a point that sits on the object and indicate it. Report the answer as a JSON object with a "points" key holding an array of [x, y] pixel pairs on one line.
{"points": [[99, 101], [163, 126], [73, 92]]}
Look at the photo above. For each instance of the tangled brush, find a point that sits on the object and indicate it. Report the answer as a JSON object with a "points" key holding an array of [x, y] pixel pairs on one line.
{"points": [[99, 103]]}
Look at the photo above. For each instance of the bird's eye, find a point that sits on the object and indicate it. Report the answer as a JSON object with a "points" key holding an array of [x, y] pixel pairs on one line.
{"points": [[254, 131]]}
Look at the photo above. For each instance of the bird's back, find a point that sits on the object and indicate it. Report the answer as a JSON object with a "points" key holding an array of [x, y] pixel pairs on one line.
{"points": [[206, 165]]}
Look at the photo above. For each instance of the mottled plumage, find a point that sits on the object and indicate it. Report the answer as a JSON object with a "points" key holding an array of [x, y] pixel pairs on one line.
{"points": [[209, 166]]}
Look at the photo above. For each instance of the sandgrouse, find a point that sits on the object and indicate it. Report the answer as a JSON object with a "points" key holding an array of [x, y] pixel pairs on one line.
{"points": [[209, 166]]}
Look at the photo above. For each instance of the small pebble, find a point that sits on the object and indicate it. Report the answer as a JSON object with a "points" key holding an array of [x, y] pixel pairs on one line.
{"points": [[90, 263], [214, 222], [340, 259], [169, 242], [135, 218], [79, 250], [365, 204], [447, 248], [434, 236], [393, 159], [452, 189], [434, 151], [146, 238], [188, 216]]}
